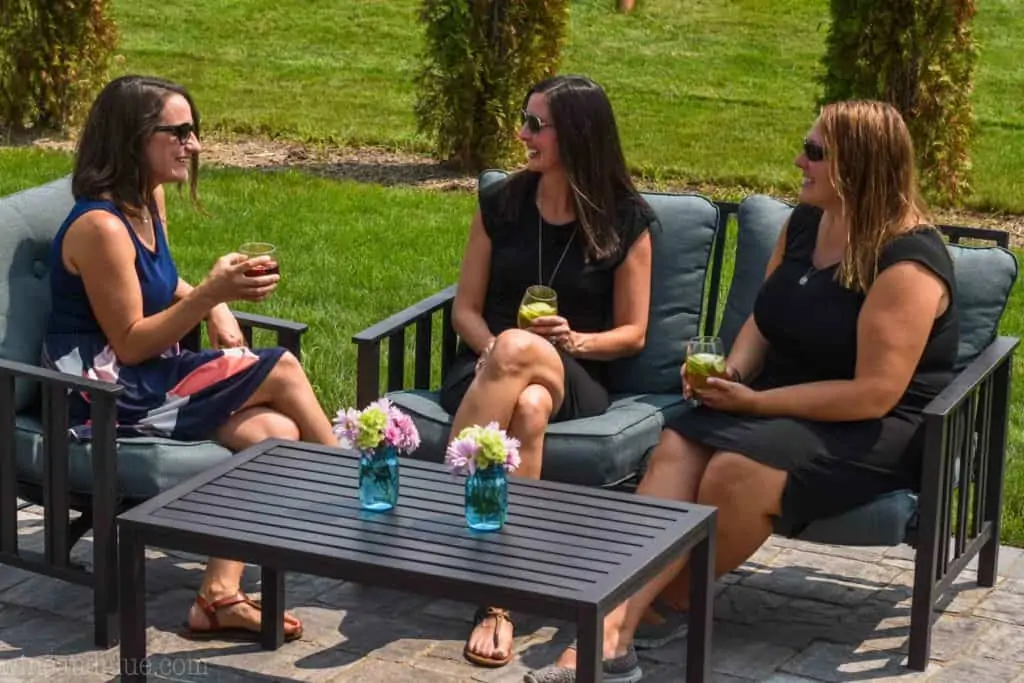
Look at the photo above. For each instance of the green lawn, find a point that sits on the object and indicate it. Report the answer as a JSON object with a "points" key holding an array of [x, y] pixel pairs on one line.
{"points": [[705, 91], [352, 254]]}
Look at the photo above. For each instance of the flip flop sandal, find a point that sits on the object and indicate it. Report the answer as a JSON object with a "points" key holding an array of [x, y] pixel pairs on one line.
{"points": [[624, 669], [499, 615], [674, 626], [217, 632]]}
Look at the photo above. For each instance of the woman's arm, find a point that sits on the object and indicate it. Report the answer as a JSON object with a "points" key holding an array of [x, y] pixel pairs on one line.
{"points": [[221, 326], [892, 331], [467, 309], [98, 248], [631, 302]]}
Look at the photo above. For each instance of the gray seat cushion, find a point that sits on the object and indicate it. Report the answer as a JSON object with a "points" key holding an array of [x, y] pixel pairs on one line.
{"points": [[882, 522], [597, 451], [28, 222], [145, 465], [681, 249]]}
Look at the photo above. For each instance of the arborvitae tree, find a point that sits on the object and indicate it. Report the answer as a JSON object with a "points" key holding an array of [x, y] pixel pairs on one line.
{"points": [[54, 58], [918, 55], [480, 59]]}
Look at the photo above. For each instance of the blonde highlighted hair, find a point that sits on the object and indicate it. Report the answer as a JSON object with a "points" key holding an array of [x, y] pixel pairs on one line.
{"points": [[871, 164]]}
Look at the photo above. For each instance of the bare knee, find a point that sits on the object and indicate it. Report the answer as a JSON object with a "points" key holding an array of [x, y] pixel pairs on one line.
{"points": [[287, 371], [278, 426], [533, 411], [673, 449], [288, 365], [730, 478], [517, 352], [253, 425]]}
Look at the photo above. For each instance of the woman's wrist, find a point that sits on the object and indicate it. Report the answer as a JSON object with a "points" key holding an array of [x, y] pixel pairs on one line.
{"points": [[486, 348]]}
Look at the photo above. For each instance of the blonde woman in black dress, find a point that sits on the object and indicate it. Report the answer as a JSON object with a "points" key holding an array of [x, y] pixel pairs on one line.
{"points": [[853, 332]]}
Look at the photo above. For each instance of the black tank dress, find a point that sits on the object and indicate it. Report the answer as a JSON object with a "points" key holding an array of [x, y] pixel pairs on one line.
{"points": [[810, 322], [527, 250]]}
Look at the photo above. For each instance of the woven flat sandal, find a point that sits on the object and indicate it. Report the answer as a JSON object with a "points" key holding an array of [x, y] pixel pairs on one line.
{"points": [[215, 631], [499, 615], [674, 626], [624, 669]]}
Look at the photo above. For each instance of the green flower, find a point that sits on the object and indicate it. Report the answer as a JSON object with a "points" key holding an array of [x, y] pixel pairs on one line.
{"points": [[492, 448], [372, 422]]}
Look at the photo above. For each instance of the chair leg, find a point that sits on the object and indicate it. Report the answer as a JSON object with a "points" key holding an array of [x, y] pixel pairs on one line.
{"points": [[920, 632], [922, 603], [106, 624]]}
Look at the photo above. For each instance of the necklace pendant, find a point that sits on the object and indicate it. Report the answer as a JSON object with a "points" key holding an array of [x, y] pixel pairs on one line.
{"points": [[803, 280]]}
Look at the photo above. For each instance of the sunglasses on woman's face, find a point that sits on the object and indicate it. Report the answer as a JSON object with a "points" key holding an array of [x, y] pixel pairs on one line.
{"points": [[534, 123], [813, 151], [182, 131]]}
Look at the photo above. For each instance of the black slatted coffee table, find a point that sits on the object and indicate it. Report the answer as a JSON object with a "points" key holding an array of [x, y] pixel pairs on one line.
{"points": [[567, 552]]}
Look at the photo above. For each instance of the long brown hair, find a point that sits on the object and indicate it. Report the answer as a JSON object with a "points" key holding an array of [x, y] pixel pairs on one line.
{"points": [[871, 164], [591, 153], [110, 159]]}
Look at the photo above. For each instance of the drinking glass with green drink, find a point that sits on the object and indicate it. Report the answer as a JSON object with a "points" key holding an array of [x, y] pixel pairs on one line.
{"points": [[538, 301], [705, 357]]}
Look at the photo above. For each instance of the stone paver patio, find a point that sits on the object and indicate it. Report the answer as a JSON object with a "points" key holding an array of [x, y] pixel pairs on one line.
{"points": [[795, 613]]}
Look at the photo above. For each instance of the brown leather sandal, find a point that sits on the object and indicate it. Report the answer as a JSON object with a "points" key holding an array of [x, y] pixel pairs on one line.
{"points": [[217, 632], [498, 615]]}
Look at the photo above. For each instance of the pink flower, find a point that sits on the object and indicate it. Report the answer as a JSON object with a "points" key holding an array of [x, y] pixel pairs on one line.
{"points": [[477, 446], [399, 430], [461, 455]]}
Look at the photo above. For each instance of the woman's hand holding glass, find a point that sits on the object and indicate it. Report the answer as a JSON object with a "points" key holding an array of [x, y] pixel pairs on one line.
{"points": [[229, 279], [538, 313], [708, 380], [555, 329]]}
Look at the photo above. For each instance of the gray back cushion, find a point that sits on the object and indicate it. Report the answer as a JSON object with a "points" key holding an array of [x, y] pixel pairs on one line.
{"points": [[984, 277], [28, 222], [681, 249], [760, 220], [680, 252]]}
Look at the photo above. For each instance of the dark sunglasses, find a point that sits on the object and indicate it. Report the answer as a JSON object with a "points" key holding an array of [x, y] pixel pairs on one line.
{"points": [[182, 131], [534, 123], [813, 151]]}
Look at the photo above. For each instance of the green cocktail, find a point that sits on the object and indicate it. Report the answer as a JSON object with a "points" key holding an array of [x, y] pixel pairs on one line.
{"points": [[700, 366], [538, 301], [530, 312]]}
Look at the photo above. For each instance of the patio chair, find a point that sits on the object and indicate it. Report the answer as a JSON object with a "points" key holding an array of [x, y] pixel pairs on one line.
{"points": [[953, 518], [39, 461]]}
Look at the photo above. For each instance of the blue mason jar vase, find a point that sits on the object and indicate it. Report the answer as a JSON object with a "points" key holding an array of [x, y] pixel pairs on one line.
{"points": [[487, 498], [378, 478]]}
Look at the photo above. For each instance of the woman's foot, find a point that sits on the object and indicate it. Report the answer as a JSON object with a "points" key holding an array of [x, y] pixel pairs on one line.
{"points": [[232, 617], [492, 639], [623, 668], [661, 624]]}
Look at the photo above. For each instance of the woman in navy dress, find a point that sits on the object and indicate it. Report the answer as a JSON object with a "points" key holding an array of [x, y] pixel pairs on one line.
{"points": [[853, 332], [119, 309]]}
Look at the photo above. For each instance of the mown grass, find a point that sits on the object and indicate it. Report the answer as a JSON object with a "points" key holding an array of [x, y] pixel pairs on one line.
{"points": [[705, 91], [352, 254]]}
